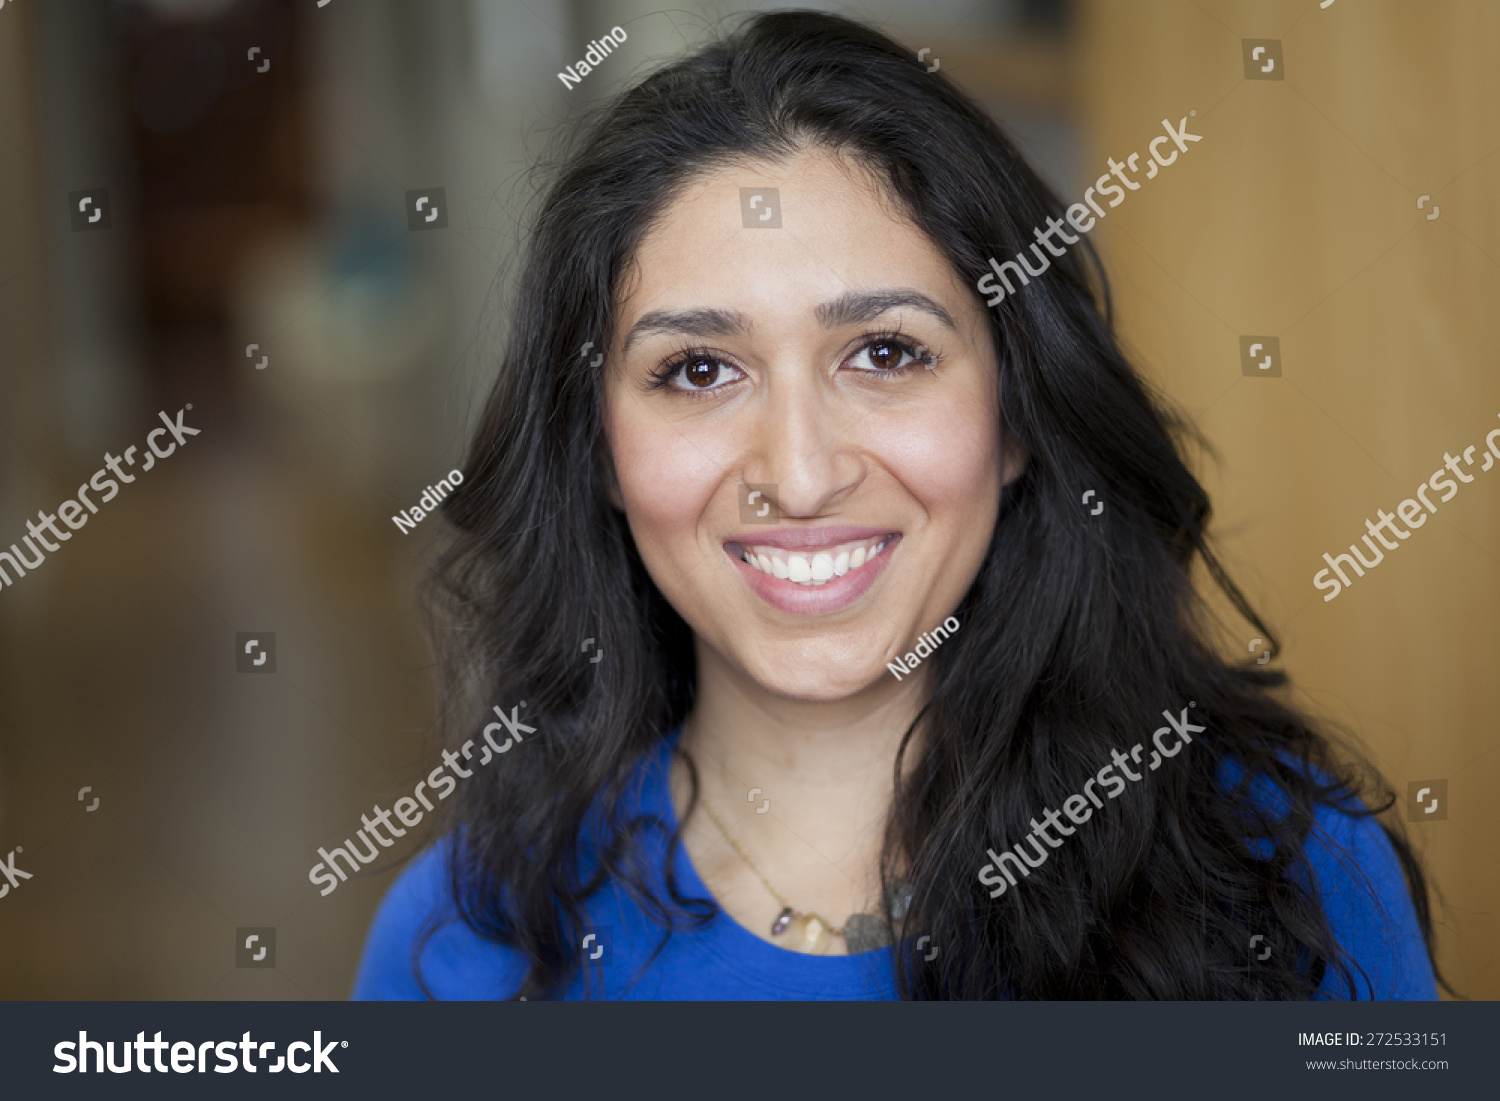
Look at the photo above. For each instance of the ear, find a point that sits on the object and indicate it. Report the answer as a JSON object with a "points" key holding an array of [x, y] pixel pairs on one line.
{"points": [[1013, 457]]}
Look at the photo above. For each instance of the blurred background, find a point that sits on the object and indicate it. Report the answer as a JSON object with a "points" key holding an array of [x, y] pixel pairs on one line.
{"points": [[251, 161]]}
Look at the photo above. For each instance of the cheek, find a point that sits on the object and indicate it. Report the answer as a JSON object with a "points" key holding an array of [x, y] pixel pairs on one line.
{"points": [[948, 457], [666, 477]]}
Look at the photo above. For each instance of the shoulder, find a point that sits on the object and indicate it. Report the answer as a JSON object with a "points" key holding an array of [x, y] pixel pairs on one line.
{"points": [[1362, 887], [1365, 897], [417, 925]]}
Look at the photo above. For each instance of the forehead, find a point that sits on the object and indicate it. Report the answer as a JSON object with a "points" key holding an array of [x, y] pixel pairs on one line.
{"points": [[832, 228]]}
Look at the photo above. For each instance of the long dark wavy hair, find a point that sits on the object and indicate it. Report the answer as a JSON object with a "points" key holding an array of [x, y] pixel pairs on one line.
{"points": [[1077, 633]]}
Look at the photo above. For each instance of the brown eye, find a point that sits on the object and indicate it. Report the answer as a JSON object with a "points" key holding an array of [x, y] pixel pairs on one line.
{"points": [[886, 354], [701, 372]]}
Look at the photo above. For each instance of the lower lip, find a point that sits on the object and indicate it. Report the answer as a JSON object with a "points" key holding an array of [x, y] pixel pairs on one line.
{"points": [[830, 596]]}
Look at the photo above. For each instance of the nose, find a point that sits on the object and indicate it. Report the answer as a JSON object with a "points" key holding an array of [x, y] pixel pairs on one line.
{"points": [[805, 441]]}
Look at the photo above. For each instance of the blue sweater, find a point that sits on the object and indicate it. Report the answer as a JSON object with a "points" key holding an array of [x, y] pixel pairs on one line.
{"points": [[1372, 919]]}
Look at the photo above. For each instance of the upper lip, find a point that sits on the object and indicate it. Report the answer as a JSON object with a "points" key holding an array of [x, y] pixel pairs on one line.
{"points": [[794, 539]]}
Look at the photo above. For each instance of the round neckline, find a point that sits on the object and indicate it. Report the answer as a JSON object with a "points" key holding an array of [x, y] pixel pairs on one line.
{"points": [[735, 946]]}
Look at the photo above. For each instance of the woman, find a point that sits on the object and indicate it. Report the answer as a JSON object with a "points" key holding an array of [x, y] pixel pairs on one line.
{"points": [[786, 542]]}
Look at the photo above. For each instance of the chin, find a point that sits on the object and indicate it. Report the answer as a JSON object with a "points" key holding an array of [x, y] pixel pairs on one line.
{"points": [[815, 682]]}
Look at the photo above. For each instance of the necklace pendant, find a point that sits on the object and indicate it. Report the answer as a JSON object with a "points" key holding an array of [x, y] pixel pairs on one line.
{"points": [[809, 933], [865, 933], [783, 919]]}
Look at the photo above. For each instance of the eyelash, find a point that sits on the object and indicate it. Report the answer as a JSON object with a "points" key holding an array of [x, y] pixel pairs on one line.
{"points": [[922, 356]]}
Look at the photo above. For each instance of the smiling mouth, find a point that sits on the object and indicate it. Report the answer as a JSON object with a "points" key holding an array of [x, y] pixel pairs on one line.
{"points": [[813, 569]]}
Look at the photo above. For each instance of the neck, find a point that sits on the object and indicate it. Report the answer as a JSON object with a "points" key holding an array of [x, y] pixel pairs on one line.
{"points": [[826, 765]]}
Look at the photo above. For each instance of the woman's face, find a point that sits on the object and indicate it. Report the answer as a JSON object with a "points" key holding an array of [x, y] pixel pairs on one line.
{"points": [[817, 390]]}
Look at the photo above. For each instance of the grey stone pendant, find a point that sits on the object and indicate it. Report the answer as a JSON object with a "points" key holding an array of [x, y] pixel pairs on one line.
{"points": [[865, 933]]}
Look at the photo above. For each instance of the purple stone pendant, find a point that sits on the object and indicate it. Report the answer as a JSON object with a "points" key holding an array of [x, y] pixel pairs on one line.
{"points": [[783, 919]]}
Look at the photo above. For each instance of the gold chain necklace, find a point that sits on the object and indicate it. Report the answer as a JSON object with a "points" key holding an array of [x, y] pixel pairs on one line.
{"points": [[811, 932]]}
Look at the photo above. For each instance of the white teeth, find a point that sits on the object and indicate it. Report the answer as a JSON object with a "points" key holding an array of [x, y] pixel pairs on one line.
{"points": [[813, 569]]}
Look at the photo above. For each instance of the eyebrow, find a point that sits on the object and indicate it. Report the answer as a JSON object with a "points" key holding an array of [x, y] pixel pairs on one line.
{"points": [[689, 323], [852, 308], [860, 306]]}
